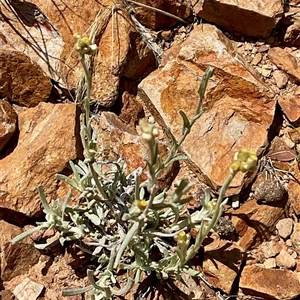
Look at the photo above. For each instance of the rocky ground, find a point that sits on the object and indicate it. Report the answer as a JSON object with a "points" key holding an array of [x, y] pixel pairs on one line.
{"points": [[154, 68]]}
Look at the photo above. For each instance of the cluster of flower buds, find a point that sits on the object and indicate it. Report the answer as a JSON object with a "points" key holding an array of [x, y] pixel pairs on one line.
{"points": [[244, 161], [182, 239], [138, 206], [84, 45], [149, 130]]}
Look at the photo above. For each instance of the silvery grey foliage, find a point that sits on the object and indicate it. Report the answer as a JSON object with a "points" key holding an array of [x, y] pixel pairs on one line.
{"points": [[122, 221]]}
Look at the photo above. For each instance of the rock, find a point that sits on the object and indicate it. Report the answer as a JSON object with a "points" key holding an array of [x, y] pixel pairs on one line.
{"points": [[117, 140], [265, 71], [54, 50], [8, 122], [41, 152], [54, 274], [249, 220], [15, 259], [269, 283], [294, 196], [295, 237], [285, 260], [264, 15], [227, 115], [263, 48], [28, 289], [280, 78], [132, 111], [257, 59], [75, 257], [285, 227], [7, 294], [270, 249], [156, 20], [286, 62], [269, 191], [22, 81], [115, 36], [270, 263], [289, 30], [225, 228], [39, 40], [290, 107], [218, 256]]}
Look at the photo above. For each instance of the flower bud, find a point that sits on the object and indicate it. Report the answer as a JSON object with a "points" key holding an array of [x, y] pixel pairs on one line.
{"points": [[83, 45], [182, 239], [141, 204], [234, 167], [244, 161]]}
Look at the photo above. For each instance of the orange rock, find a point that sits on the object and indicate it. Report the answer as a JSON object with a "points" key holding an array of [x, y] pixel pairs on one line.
{"points": [[8, 120], [48, 140], [238, 114], [266, 283], [22, 81], [234, 17]]}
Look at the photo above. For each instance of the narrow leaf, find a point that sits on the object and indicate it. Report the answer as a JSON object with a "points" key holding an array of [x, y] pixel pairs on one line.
{"points": [[186, 122], [283, 155], [73, 292], [209, 72], [26, 233]]}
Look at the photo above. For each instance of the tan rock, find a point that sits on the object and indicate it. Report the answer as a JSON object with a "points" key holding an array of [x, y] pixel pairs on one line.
{"points": [[8, 122], [255, 223], [280, 78], [295, 237], [294, 196], [266, 283], [291, 107], [285, 227], [234, 16], [15, 259], [228, 124], [270, 263], [269, 191], [219, 255], [269, 249], [48, 139], [22, 81], [28, 289], [257, 59], [285, 260], [286, 62]]}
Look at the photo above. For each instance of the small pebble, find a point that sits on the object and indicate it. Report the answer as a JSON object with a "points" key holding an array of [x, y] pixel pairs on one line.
{"points": [[280, 78], [269, 250], [257, 59], [269, 191], [263, 48], [284, 260], [270, 263], [285, 227]]}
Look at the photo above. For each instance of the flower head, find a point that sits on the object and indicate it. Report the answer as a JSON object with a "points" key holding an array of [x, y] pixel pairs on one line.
{"points": [[244, 161], [149, 131], [84, 45], [182, 239]]}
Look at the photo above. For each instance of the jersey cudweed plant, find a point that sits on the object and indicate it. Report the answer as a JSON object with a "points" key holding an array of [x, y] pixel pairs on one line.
{"points": [[122, 221]]}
